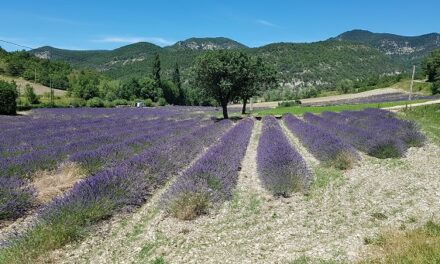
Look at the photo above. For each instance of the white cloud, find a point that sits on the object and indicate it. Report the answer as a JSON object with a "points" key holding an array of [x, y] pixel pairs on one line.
{"points": [[156, 40], [265, 23]]}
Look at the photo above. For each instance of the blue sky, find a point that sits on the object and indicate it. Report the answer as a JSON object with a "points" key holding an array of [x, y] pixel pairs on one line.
{"points": [[80, 24]]}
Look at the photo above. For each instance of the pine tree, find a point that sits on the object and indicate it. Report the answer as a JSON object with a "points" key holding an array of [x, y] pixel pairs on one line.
{"points": [[178, 83], [156, 69]]}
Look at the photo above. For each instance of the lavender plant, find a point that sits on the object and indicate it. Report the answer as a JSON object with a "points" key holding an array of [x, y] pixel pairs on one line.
{"points": [[15, 198], [327, 148], [211, 178], [281, 168], [370, 142]]}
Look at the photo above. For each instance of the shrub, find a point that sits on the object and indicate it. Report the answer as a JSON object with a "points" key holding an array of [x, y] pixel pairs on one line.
{"points": [[188, 206], [109, 104], [30, 94], [162, 102], [8, 97], [148, 102], [95, 102], [435, 88], [289, 103], [15, 198], [77, 102], [120, 102]]}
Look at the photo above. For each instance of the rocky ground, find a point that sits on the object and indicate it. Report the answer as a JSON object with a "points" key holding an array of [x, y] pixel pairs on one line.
{"points": [[332, 222]]}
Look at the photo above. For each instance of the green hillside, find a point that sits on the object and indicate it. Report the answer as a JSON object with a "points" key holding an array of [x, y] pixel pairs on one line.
{"points": [[403, 50], [360, 56]]}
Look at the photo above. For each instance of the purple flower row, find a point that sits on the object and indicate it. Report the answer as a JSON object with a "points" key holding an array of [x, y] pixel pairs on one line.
{"points": [[130, 182], [215, 174], [383, 123], [327, 148], [281, 168], [366, 140]]}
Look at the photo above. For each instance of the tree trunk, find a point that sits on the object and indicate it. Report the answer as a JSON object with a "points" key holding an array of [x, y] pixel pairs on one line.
{"points": [[243, 111], [225, 111]]}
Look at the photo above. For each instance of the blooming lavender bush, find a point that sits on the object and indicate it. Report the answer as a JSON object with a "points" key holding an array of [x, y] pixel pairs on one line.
{"points": [[384, 122], [368, 141], [324, 146], [15, 198], [281, 168], [211, 178]]}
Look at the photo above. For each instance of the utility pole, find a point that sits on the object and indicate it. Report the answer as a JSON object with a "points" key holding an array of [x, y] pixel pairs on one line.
{"points": [[412, 83], [35, 75], [51, 90]]}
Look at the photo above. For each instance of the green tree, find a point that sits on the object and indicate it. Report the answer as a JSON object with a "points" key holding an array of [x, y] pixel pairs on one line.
{"points": [[84, 84], [431, 66], [345, 85], [156, 68], [149, 89], [178, 84], [30, 94], [222, 75], [259, 77], [8, 97]]}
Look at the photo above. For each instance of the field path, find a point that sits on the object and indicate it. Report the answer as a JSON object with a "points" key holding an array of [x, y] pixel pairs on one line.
{"points": [[331, 98], [398, 107]]}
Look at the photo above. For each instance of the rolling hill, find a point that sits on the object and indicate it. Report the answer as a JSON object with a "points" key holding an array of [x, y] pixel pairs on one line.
{"points": [[355, 55], [403, 50]]}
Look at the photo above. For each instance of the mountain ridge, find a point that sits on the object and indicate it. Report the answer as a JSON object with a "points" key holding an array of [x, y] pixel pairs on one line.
{"points": [[355, 55]]}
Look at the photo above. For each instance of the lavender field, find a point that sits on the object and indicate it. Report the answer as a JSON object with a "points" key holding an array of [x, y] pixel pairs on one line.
{"points": [[189, 159]]}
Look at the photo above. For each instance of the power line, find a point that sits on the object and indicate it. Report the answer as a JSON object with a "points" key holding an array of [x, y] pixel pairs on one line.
{"points": [[19, 45]]}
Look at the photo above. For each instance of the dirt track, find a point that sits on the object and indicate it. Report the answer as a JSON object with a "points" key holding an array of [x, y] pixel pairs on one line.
{"points": [[330, 98]]}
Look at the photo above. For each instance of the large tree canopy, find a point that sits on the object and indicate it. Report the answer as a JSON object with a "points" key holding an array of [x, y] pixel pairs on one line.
{"points": [[431, 66], [225, 75]]}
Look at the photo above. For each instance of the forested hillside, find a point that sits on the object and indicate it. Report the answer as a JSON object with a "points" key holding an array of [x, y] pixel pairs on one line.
{"points": [[403, 50], [356, 59]]}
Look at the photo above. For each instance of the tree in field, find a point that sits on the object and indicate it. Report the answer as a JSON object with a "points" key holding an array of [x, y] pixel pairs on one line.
{"points": [[84, 84], [222, 74], [227, 75], [156, 68], [178, 83], [431, 66], [30, 94], [260, 77], [345, 85], [8, 97]]}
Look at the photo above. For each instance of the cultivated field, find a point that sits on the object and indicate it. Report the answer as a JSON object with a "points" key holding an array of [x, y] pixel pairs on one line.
{"points": [[174, 185], [39, 89]]}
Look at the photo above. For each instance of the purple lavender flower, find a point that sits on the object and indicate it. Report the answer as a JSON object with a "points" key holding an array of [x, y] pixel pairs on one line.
{"points": [[281, 168], [324, 146], [215, 174]]}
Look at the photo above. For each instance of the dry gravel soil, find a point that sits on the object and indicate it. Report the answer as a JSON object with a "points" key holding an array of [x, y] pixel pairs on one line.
{"points": [[330, 223]]}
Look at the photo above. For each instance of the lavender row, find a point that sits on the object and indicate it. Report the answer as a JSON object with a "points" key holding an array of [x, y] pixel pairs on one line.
{"points": [[281, 168], [24, 165], [406, 131], [370, 142], [129, 183], [211, 178], [110, 154], [167, 129], [327, 148]]}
